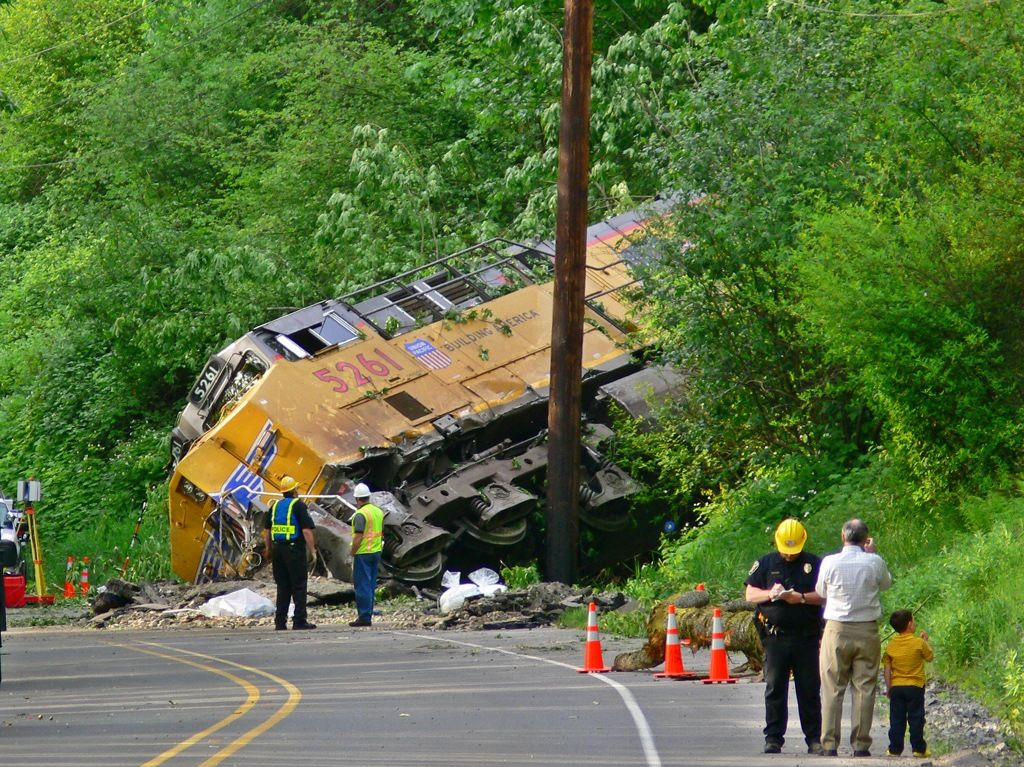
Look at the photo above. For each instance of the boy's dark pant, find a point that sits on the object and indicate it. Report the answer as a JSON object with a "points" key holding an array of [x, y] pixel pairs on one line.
{"points": [[906, 706]]}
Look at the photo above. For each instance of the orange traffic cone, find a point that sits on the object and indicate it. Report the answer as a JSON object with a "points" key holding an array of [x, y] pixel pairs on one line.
{"points": [[719, 660], [673, 653], [69, 586], [592, 660], [85, 576]]}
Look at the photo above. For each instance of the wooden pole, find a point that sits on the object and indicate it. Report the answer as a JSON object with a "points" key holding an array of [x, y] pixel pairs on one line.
{"points": [[570, 280]]}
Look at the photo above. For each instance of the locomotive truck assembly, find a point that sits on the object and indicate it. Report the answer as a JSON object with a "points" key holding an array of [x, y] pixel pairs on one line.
{"points": [[431, 387]]}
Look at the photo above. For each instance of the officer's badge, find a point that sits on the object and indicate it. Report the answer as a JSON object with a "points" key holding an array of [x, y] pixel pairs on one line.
{"points": [[807, 568], [753, 568]]}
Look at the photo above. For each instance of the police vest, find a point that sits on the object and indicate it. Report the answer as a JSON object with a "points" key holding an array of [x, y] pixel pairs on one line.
{"points": [[282, 527], [373, 535]]}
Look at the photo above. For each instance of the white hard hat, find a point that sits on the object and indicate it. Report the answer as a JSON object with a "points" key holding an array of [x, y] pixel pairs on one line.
{"points": [[361, 491]]}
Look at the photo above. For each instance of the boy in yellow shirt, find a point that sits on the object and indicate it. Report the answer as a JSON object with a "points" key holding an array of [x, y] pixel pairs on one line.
{"points": [[904, 661]]}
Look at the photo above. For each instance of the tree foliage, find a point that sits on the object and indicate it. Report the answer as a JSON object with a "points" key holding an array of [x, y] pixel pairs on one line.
{"points": [[853, 195]]}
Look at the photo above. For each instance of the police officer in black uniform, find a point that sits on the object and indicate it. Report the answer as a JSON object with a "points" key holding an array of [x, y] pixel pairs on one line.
{"points": [[788, 620], [288, 536]]}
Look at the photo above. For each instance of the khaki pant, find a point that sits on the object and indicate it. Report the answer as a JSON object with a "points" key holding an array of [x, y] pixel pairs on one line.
{"points": [[849, 656]]}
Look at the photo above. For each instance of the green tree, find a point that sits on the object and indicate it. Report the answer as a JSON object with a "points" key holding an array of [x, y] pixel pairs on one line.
{"points": [[915, 289], [773, 117]]}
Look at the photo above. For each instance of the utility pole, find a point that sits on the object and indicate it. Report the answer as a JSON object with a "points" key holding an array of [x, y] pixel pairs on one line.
{"points": [[570, 281]]}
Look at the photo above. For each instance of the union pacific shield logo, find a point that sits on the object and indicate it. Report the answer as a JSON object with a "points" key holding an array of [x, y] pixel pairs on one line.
{"points": [[428, 354]]}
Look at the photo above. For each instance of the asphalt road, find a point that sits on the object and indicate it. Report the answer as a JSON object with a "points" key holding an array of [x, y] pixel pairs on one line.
{"points": [[341, 696]]}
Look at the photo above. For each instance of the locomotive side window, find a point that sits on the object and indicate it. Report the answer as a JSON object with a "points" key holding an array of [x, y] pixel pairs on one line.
{"points": [[291, 349], [336, 331]]}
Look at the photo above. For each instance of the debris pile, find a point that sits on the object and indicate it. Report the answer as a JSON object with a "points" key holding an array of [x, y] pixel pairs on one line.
{"points": [[538, 605], [166, 605]]}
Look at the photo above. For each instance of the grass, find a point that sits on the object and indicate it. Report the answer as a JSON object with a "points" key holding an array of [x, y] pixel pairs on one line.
{"points": [[613, 622]]}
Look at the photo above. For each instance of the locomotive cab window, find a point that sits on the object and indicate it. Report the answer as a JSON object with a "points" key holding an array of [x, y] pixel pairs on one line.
{"points": [[289, 348], [336, 331]]}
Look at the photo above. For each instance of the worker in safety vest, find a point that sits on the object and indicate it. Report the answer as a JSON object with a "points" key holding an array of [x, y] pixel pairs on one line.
{"points": [[367, 543], [288, 536]]}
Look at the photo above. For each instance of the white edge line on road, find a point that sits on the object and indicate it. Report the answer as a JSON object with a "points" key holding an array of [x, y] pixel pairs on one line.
{"points": [[642, 727]]}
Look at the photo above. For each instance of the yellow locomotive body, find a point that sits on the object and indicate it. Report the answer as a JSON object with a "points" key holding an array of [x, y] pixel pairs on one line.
{"points": [[431, 387]]}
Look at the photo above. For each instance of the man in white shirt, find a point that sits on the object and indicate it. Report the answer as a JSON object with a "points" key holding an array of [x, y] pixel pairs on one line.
{"points": [[850, 583]]}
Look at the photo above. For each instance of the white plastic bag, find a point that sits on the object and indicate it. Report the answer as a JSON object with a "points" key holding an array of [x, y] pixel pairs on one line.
{"points": [[451, 578], [484, 576], [244, 603], [488, 581], [453, 598]]}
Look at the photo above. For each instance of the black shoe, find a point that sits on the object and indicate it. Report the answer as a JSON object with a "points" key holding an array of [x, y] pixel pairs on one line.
{"points": [[772, 748], [829, 752], [814, 747], [303, 626], [359, 622], [862, 752], [280, 628]]}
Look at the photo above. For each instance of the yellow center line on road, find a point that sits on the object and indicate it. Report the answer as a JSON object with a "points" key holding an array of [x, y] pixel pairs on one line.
{"points": [[253, 696]]}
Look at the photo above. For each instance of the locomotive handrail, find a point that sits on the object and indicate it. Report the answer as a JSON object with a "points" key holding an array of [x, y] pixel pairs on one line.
{"points": [[399, 279], [412, 299], [593, 297]]}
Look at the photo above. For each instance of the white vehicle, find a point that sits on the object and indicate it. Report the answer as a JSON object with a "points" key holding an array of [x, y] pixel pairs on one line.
{"points": [[10, 523]]}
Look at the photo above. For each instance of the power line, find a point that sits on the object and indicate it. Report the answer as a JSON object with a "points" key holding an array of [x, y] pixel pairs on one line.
{"points": [[73, 40]]}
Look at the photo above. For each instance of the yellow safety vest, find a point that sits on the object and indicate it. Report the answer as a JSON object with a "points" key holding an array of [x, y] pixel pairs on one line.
{"points": [[373, 535], [283, 527]]}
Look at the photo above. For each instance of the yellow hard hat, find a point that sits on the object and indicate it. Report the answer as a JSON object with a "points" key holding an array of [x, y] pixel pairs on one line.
{"points": [[790, 537], [288, 484]]}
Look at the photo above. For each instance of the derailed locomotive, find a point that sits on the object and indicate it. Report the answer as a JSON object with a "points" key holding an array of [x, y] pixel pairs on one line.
{"points": [[431, 387]]}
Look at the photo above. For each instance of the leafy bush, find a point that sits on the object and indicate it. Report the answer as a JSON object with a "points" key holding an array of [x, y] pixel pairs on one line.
{"points": [[1012, 691], [520, 576], [925, 338]]}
